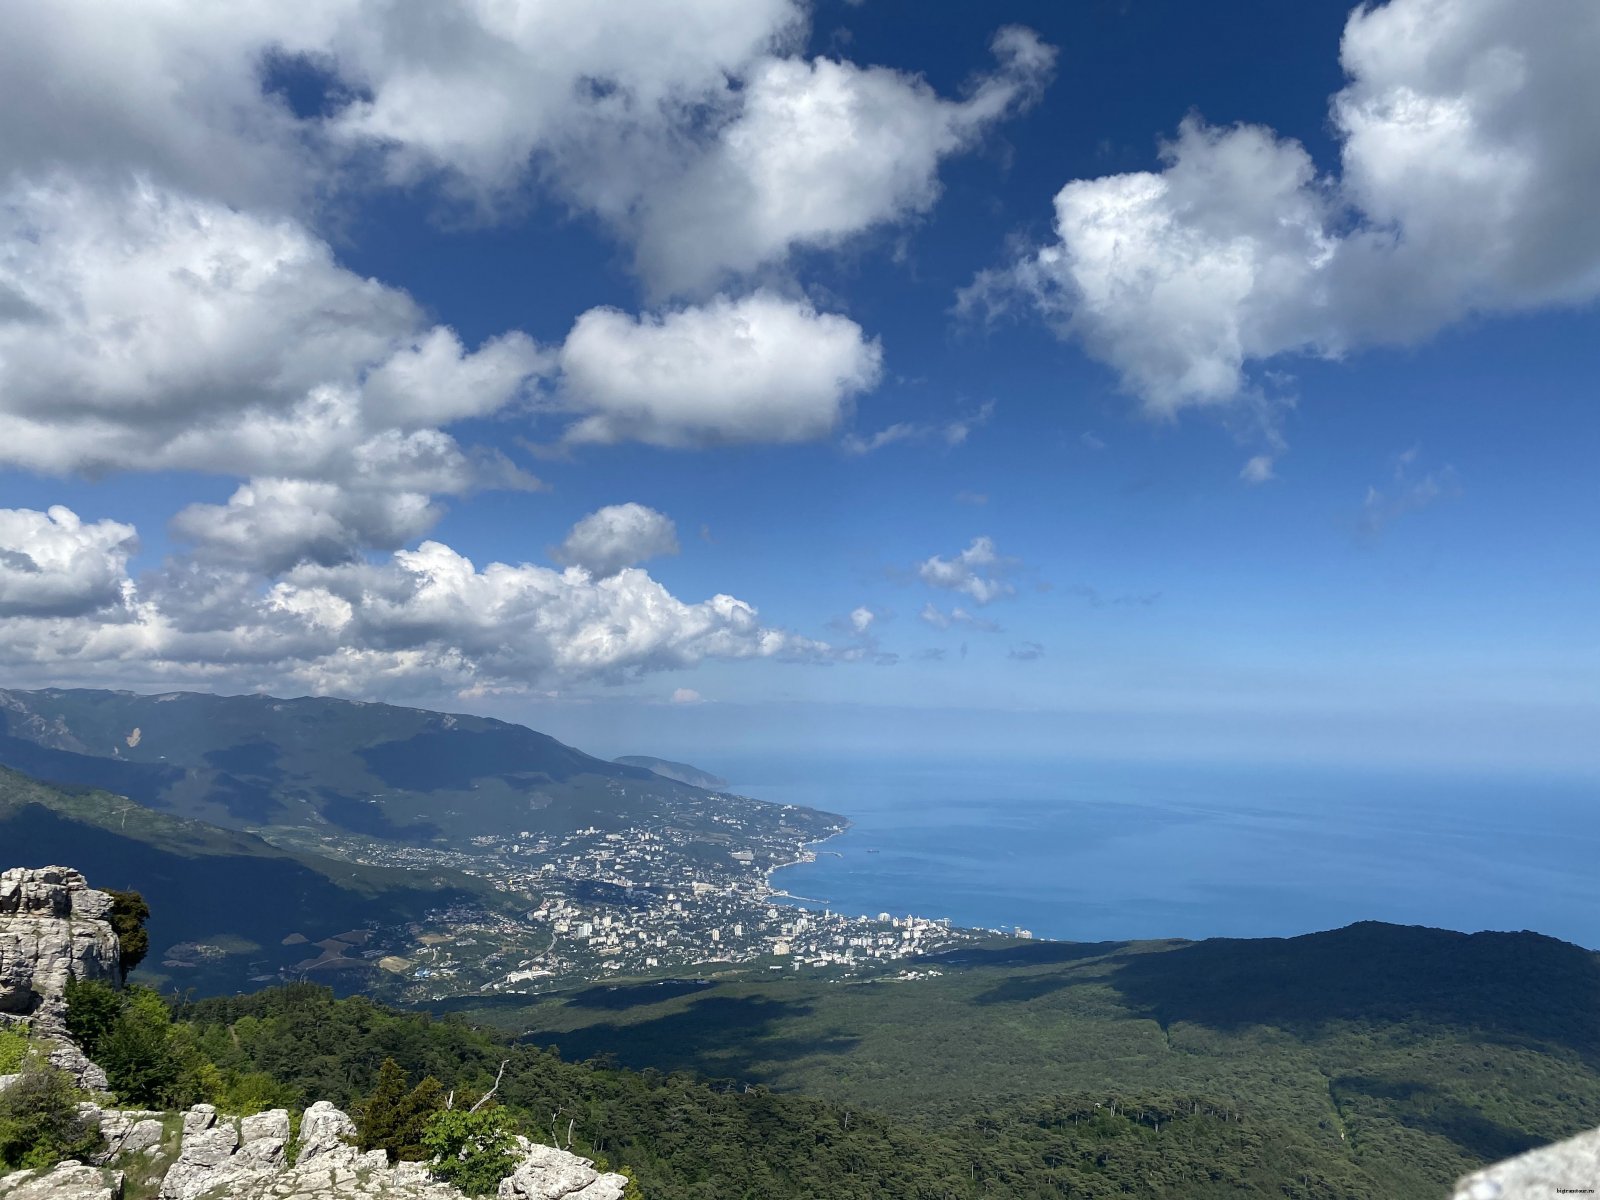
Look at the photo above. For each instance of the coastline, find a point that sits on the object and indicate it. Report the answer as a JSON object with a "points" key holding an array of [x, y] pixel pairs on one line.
{"points": [[807, 855]]}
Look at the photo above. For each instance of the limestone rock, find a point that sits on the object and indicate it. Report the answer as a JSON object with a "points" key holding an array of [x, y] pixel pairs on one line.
{"points": [[546, 1173], [142, 1135], [263, 1137], [1567, 1168], [206, 1157], [245, 1160], [198, 1118], [327, 1134], [65, 1056], [53, 928], [69, 1180]]}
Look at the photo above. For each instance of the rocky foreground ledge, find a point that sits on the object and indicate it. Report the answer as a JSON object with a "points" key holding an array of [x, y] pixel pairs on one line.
{"points": [[1569, 1168], [53, 929], [216, 1157]]}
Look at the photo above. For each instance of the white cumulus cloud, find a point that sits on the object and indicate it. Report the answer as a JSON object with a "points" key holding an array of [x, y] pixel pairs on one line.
{"points": [[426, 620], [271, 524], [148, 329], [977, 572], [480, 93], [819, 152], [1469, 165], [759, 368], [53, 564], [618, 536]]}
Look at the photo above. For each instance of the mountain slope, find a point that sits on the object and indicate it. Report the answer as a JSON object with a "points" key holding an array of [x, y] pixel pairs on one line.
{"points": [[403, 775], [227, 905], [668, 769]]}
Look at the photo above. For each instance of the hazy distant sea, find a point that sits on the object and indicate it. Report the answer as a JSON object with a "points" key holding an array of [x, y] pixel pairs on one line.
{"points": [[1091, 852]]}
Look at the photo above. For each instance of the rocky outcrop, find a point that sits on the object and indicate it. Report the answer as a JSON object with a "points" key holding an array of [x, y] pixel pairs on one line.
{"points": [[53, 929], [546, 1173], [227, 1156], [65, 1181], [247, 1160], [131, 1131], [1569, 1168]]}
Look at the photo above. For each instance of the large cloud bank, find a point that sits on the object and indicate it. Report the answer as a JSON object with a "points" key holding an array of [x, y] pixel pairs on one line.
{"points": [[171, 299], [1470, 159]]}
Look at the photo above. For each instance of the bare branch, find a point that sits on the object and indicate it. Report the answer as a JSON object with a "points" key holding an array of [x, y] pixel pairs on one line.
{"points": [[484, 1099]]}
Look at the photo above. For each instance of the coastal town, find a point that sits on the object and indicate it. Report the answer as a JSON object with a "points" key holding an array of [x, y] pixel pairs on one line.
{"points": [[596, 904]]}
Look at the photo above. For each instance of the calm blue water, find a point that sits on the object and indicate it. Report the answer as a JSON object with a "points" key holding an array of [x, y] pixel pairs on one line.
{"points": [[1092, 852]]}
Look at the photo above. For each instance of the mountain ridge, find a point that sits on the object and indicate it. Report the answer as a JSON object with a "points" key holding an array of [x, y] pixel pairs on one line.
{"points": [[409, 776], [668, 769]]}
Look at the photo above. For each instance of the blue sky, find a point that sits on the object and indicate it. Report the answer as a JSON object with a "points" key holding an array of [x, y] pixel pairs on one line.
{"points": [[1107, 378]]}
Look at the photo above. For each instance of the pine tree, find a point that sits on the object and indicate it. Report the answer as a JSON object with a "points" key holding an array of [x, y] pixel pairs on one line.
{"points": [[378, 1116], [420, 1104], [392, 1118], [129, 912]]}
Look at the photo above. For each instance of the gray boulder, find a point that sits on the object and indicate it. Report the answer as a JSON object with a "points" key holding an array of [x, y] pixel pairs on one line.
{"points": [[546, 1173], [1569, 1168], [326, 1134], [69, 1180]]}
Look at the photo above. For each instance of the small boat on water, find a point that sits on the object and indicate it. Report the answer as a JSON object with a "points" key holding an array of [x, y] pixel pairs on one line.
{"points": [[871, 851]]}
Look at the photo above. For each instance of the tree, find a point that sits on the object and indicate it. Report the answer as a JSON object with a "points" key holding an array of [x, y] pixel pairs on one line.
{"points": [[140, 1056], [93, 1009], [377, 1115], [39, 1120], [129, 912], [473, 1148], [392, 1118]]}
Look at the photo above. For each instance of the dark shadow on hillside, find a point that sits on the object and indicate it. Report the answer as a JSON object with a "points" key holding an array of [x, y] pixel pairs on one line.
{"points": [[365, 815], [1022, 988], [1519, 988], [721, 1035], [257, 759], [1023, 954], [469, 1004], [450, 760], [632, 995], [617, 998], [1423, 1106], [195, 897], [243, 798], [146, 783]]}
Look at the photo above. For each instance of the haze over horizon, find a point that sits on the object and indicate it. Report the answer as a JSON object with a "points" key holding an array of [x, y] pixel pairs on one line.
{"points": [[1108, 379]]}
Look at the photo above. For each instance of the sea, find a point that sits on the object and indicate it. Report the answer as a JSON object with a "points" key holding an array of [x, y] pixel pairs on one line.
{"points": [[1109, 851]]}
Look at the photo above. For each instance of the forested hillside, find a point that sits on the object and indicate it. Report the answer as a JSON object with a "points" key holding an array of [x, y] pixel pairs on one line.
{"points": [[685, 1139], [1411, 1055]]}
